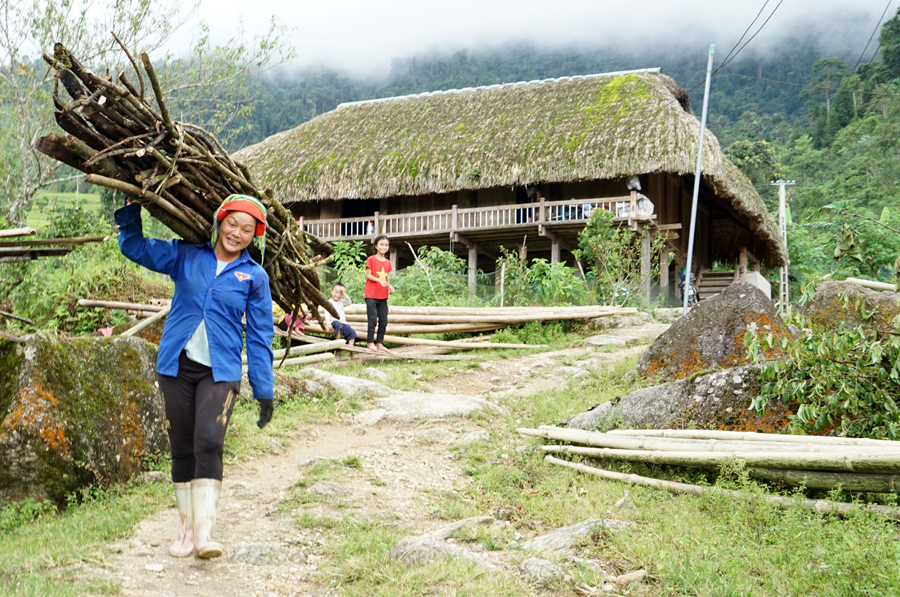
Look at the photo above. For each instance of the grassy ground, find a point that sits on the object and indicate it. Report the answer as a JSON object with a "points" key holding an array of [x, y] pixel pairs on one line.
{"points": [[46, 202], [712, 546]]}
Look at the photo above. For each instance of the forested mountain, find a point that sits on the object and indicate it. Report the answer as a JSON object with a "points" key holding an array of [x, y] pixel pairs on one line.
{"points": [[289, 99]]}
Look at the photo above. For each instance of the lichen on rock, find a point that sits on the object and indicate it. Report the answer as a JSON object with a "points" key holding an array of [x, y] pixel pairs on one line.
{"points": [[75, 412], [846, 305], [711, 335]]}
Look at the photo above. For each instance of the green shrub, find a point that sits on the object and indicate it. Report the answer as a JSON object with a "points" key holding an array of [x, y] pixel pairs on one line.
{"points": [[16, 514], [613, 254], [847, 381]]}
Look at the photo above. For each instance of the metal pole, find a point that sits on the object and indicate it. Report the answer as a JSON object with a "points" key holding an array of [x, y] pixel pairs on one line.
{"points": [[690, 255], [784, 290]]}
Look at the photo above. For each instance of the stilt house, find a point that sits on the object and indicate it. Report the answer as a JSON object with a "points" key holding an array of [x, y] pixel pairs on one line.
{"points": [[471, 170]]}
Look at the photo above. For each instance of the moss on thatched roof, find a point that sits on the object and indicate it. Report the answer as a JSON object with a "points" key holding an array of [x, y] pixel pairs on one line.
{"points": [[559, 130]]}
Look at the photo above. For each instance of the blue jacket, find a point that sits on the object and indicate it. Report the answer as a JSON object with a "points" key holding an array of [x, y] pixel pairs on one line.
{"points": [[242, 287]]}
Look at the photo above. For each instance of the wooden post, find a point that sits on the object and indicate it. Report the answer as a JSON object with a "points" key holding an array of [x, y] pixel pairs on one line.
{"points": [[393, 253], [645, 262], [554, 249], [632, 209], [502, 282], [542, 214], [742, 265], [454, 219], [376, 229], [473, 266], [664, 270]]}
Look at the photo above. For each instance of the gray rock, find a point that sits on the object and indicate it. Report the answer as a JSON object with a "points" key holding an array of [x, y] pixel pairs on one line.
{"points": [[371, 417], [420, 550], [267, 555], [711, 335], [667, 314], [329, 489], [75, 412], [479, 435], [543, 572], [153, 477], [345, 385], [406, 407], [312, 388], [568, 538], [714, 401], [591, 566], [620, 321], [373, 373], [848, 305], [437, 435], [627, 336], [445, 531]]}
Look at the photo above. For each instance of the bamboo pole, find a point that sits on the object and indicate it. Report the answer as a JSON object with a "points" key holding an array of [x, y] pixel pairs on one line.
{"points": [[146, 323], [313, 358], [755, 437], [623, 442], [870, 463], [13, 232], [826, 480], [398, 309], [419, 329], [490, 318], [119, 305], [458, 344], [54, 241], [842, 509], [16, 317], [872, 284], [305, 349]]}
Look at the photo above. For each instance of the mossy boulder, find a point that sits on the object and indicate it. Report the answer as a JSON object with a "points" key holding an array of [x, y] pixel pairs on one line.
{"points": [[718, 400], [75, 412], [711, 335], [845, 305]]}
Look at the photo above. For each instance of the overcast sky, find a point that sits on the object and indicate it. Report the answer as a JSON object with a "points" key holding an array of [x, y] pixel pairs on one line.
{"points": [[362, 36]]}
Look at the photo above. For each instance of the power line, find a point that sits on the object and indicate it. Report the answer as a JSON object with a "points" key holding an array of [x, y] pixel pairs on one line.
{"points": [[871, 37], [761, 27], [746, 31], [872, 93]]}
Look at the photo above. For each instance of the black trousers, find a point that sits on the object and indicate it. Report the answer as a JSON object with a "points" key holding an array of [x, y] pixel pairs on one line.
{"points": [[376, 309], [198, 410]]}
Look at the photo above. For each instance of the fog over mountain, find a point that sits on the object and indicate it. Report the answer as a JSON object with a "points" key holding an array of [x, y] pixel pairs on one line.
{"points": [[362, 37]]}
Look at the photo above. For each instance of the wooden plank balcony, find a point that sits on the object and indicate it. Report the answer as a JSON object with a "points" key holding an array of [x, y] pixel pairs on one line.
{"points": [[557, 216]]}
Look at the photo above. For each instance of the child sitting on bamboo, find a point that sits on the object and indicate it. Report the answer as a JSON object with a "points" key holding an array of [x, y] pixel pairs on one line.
{"points": [[339, 300]]}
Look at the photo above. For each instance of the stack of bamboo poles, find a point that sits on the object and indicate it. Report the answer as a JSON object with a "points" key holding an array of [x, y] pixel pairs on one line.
{"points": [[442, 320], [814, 462], [26, 250], [177, 171], [314, 353]]}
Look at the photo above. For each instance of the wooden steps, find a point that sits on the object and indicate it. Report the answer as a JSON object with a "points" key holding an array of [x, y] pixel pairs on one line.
{"points": [[709, 284]]}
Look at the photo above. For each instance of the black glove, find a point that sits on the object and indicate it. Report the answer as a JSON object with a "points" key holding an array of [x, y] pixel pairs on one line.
{"points": [[266, 407]]}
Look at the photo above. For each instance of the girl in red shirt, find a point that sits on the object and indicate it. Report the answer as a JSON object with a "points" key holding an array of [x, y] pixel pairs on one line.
{"points": [[378, 266]]}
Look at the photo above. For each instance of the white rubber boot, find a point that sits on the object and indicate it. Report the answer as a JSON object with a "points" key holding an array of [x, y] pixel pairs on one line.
{"points": [[184, 545], [204, 499]]}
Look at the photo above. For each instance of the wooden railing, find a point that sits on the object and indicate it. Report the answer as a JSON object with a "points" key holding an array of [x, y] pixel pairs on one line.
{"points": [[499, 217]]}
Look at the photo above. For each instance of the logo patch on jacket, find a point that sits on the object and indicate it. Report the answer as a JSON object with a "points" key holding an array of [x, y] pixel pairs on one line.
{"points": [[241, 276]]}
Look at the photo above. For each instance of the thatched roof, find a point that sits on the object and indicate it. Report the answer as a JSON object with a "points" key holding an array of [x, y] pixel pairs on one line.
{"points": [[558, 130]]}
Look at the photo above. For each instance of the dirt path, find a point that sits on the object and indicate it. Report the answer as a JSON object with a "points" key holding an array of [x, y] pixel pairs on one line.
{"points": [[400, 467]]}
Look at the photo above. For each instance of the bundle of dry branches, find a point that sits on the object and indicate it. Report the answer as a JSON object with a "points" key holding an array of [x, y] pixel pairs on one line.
{"points": [[179, 172]]}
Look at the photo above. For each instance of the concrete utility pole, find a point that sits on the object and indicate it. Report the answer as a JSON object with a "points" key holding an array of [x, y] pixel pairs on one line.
{"points": [[784, 290], [690, 255]]}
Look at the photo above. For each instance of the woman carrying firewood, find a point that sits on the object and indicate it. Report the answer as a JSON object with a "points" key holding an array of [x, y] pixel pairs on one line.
{"points": [[199, 362]]}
